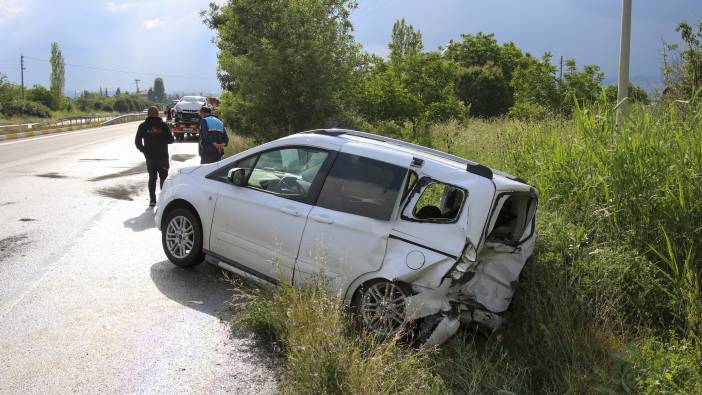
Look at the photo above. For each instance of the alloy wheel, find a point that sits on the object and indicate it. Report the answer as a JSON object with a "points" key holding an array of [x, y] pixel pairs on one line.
{"points": [[180, 237], [383, 308]]}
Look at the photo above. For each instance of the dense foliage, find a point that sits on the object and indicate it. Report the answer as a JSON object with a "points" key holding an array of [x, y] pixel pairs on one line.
{"points": [[682, 68], [40, 102], [293, 65]]}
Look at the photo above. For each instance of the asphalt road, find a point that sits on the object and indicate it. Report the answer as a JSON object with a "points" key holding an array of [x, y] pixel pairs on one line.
{"points": [[88, 301]]}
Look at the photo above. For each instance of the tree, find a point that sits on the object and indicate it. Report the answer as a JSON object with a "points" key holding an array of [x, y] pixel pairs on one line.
{"points": [[42, 95], [58, 70], [118, 92], [405, 41], [159, 90], [682, 70], [150, 95], [636, 94], [485, 89], [285, 65], [483, 83], [584, 86], [536, 82]]}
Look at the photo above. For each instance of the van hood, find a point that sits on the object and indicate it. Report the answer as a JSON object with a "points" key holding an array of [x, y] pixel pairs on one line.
{"points": [[188, 106]]}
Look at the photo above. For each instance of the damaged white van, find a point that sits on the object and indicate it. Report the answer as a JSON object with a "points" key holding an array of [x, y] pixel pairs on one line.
{"points": [[405, 234]]}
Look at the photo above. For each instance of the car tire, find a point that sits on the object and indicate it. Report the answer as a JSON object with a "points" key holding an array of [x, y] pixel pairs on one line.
{"points": [[380, 306], [181, 238], [179, 137]]}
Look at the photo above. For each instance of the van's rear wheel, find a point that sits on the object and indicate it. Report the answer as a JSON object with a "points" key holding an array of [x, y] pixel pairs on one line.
{"points": [[381, 307], [182, 238]]}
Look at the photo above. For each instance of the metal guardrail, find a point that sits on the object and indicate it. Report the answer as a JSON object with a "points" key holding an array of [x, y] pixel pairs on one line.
{"points": [[124, 118], [69, 122]]}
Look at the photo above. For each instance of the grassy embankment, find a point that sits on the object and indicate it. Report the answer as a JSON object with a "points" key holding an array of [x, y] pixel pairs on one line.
{"points": [[611, 301]]}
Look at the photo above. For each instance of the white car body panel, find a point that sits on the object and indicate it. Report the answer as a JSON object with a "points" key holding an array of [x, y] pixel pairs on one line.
{"points": [[258, 230]]}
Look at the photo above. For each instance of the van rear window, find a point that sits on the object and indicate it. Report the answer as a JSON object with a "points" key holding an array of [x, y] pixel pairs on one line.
{"points": [[362, 186]]}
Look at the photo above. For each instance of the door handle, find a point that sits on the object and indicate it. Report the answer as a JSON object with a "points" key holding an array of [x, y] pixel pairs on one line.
{"points": [[324, 219], [290, 211]]}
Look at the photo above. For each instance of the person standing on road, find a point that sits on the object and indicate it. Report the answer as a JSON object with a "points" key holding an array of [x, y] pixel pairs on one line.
{"points": [[152, 139], [213, 137]]}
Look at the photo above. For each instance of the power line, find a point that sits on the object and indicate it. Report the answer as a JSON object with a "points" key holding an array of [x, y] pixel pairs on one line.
{"points": [[124, 71], [377, 6]]}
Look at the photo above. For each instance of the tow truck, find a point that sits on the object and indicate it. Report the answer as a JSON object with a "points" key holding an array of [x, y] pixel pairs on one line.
{"points": [[185, 115]]}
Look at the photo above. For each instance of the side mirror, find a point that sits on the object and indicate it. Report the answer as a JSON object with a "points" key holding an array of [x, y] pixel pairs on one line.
{"points": [[237, 176]]}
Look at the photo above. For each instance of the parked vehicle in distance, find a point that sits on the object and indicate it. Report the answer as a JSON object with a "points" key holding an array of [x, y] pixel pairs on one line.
{"points": [[408, 235]]}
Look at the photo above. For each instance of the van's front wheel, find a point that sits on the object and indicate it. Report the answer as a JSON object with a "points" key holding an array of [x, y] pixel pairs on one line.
{"points": [[182, 238]]}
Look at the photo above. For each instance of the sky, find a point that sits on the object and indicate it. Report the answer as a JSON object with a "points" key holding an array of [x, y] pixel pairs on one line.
{"points": [[148, 38]]}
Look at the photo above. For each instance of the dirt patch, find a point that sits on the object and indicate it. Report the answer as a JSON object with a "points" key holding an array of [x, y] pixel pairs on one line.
{"points": [[27, 219], [51, 175], [120, 192], [124, 173], [181, 157], [12, 244]]}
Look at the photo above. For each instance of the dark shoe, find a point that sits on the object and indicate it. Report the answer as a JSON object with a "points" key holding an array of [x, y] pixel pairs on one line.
{"points": [[152, 204]]}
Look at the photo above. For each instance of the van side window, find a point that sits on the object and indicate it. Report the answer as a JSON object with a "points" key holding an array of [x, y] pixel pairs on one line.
{"points": [[287, 172], [439, 203], [362, 186]]}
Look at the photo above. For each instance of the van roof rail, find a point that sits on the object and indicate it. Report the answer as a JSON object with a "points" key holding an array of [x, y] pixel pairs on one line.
{"points": [[471, 167]]}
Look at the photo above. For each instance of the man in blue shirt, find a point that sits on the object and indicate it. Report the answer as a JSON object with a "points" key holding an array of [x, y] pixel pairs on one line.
{"points": [[213, 137]]}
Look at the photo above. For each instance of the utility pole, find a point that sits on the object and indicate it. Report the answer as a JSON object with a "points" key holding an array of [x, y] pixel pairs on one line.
{"points": [[560, 74], [136, 82], [624, 51], [22, 73]]}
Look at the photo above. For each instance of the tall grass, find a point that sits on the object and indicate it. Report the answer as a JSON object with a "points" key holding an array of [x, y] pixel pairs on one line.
{"points": [[324, 353]]}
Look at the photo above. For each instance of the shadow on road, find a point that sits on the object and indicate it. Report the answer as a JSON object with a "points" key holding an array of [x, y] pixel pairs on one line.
{"points": [[201, 287], [142, 222]]}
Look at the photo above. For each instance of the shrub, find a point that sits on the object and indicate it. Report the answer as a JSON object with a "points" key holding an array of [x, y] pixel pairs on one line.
{"points": [[664, 366], [42, 95], [26, 108], [527, 111]]}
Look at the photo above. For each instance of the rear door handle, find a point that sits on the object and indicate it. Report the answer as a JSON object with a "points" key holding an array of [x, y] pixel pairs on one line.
{"points": [[290, 211], [322, 218]]}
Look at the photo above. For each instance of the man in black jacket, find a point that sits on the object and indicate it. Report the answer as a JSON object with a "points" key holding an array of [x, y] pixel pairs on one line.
{"points": [[152, 139]]}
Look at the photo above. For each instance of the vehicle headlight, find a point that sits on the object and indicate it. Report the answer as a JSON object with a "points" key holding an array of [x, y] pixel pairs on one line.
{"points": [[172, 174]]}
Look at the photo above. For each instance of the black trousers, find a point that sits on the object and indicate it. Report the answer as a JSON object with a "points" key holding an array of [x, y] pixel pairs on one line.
{"points": [[156, 167], [210, 158]]}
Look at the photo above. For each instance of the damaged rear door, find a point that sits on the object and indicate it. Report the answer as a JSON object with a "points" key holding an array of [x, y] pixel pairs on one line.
{"points": [[431, 233], [509, 242]]}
